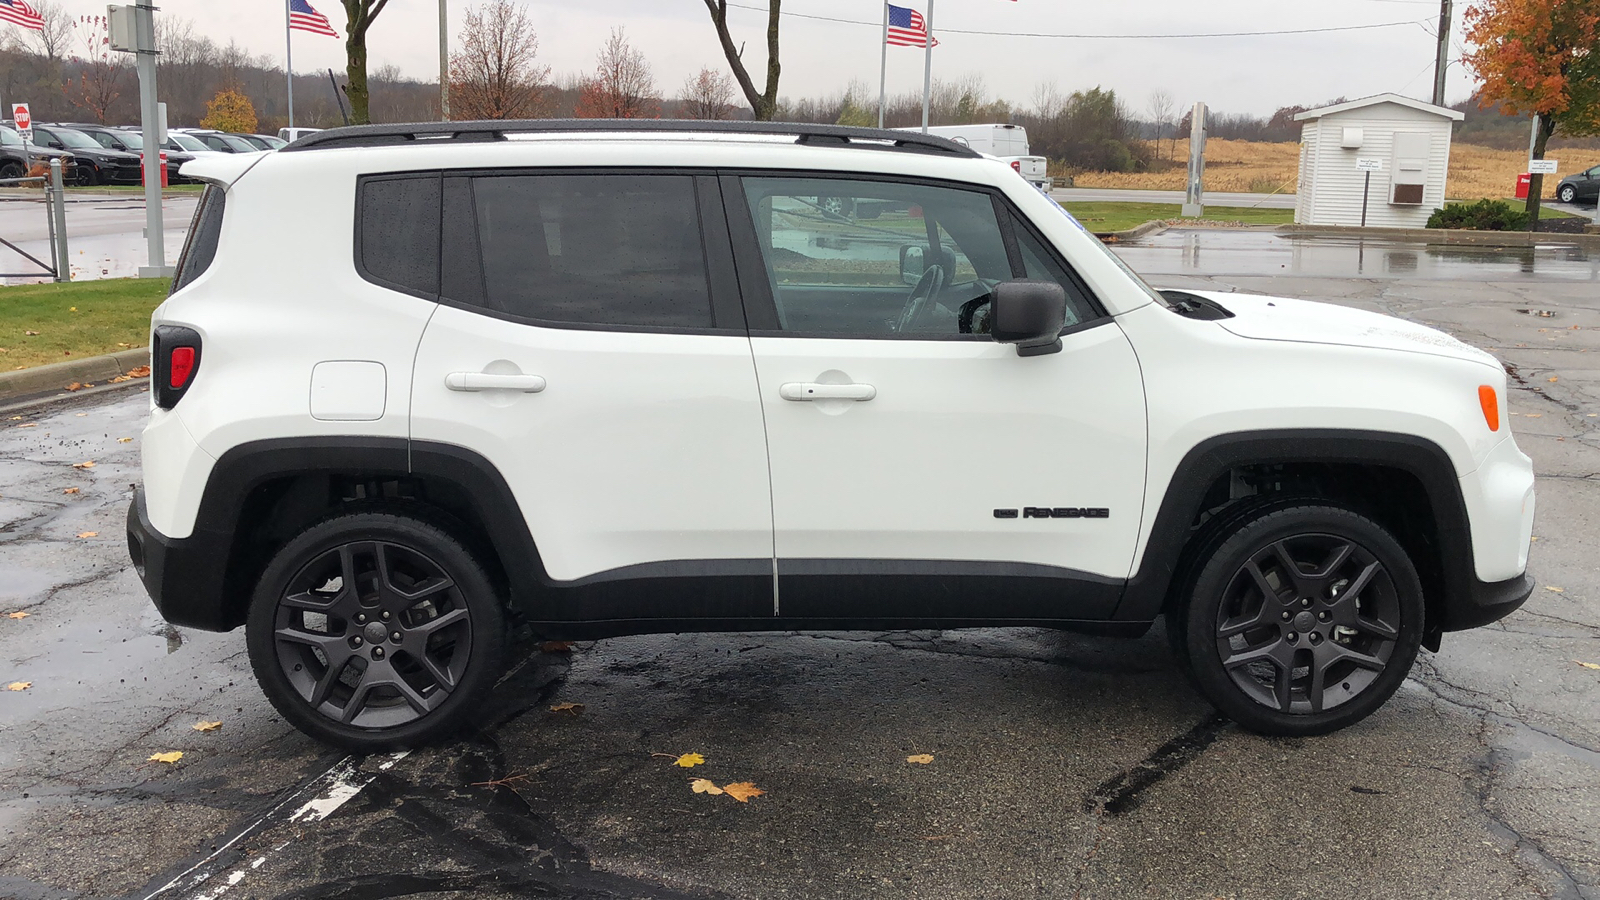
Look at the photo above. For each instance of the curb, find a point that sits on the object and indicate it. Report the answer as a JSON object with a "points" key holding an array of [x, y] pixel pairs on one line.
{"points": [[1133, 234], [1448, 236], [56, 376]]}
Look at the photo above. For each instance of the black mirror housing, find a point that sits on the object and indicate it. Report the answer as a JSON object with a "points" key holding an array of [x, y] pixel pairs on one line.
{"points": [[1029, 314]]}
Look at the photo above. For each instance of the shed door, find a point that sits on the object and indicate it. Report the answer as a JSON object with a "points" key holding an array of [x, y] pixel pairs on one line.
{"points": [[1410, 167]]}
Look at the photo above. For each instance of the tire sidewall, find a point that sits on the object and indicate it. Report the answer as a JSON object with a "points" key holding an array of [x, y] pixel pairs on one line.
{"points": [[484, 606], [1568, 194], [1213, 575]]}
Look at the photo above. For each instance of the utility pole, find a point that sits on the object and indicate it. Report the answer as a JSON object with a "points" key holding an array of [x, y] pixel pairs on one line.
{"points": [[132, 29], [1443, 60], [444, 60]]}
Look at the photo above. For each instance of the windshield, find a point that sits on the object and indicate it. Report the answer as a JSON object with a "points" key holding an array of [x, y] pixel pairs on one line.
{"points": [[76, 140], [130, 140], [9, 138], [1154, 294], [186, 142], [238, 145]]}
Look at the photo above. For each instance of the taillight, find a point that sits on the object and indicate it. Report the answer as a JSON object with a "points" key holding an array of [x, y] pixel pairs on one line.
{"points": [[174, 357], [1016, 166]]}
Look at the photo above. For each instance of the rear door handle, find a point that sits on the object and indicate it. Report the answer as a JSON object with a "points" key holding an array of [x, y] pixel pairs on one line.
{"points": [[486, 381], [806, 391]]}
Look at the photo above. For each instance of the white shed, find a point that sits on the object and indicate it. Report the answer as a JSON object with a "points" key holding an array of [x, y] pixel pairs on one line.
{"points": [[1408, 138]]}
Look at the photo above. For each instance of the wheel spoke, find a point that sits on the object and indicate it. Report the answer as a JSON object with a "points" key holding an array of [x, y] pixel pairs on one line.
{"points": [[1259, 619], [1282, 686], [429, 628], [1262, 585], [330, 644], [358, 697], [1336, 559], [1265, 653], [1353, 592], [1319, 679], [441, 675], [1378, 628], [324, 686], [1290, 567], [1362, 660]]}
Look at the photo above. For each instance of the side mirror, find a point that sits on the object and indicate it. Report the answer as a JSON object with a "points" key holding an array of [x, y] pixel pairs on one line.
{"points": [[914, 261], [1029, 314]]}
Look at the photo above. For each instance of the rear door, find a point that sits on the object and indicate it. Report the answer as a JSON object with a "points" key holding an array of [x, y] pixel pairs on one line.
{"points": [[591, 345], [919, 469]]}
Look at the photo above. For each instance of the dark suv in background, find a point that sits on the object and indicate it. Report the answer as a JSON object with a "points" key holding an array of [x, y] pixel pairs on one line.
{"points": [[128, 141], [96, 164], [16, 159]]}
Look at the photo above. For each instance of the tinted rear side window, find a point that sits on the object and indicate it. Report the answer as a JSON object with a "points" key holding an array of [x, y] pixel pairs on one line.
{"points": [[201, 247], [398, 239], [620, 250]]}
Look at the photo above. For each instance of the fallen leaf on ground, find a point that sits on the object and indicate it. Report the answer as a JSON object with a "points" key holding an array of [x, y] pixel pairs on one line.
{"points": [[19, 614], [1554, 379], [72, 309], [84, 465], [1555, 590], [88, 534], [70, 491], [29, 425], [568, 708], [556, 646], [81, 415], [704, 786], [121, 344], [33, 333], [207, 726], [920, 759], [689, 760], [75, 386], [172, 757], [124, 440], [1535, 415], [139, 372], [19, 685], [1587, 665], [742, 791]]}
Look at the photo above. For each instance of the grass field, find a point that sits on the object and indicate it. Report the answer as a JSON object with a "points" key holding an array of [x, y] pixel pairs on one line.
{"points": [[1104, 217], [1256, 167], [48, 323]]}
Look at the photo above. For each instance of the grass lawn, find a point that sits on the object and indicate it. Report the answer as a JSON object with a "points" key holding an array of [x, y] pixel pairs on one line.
{"points": [[1104, 217], [73, 321]]}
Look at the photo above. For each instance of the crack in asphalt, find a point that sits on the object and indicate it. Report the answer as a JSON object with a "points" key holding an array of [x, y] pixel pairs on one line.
{"points": [[932, 645]]}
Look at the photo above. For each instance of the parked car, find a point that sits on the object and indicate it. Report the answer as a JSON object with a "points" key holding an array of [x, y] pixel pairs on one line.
{"points": [[1582, 186], [262, 141], [602, 385], [1008, 143], [16, 159], [185, 143], [219, 141], [95, 163], [294, 134], [131, 142]]}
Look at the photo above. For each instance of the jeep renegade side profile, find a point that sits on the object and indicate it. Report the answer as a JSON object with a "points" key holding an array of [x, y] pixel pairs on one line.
{"points": [[607, 378]]}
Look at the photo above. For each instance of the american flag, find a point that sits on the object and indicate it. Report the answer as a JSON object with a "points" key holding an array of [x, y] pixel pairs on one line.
{"points": [[19, 13], [305, 18], [907, 28]]}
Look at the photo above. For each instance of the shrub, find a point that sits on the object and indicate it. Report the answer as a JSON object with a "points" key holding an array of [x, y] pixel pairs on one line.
{"points": [[1485, 215], [230, 110]]}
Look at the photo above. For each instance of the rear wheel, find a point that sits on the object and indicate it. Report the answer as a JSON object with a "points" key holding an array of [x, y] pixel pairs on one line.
{"points": [[13, 169], [1303, 620], [373, 631]]}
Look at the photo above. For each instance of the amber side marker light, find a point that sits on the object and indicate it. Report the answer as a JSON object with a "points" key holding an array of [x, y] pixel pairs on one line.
{"points": [[1490, 401]]}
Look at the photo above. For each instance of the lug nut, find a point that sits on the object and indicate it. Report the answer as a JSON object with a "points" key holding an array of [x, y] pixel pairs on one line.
{"points": [[386, 615], [361, 618], [1324, 615], [397, 637], [1286, 615], [377, 653], [1305, 601], [355, 641], [1316, 638], [1293, 637]]}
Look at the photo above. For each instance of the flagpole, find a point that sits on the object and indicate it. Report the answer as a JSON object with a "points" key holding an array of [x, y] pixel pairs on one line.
{"points": [[883, 68], [288, 59], [927, 71]]}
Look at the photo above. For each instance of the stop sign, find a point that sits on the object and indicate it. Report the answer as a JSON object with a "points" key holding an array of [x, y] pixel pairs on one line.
{"points": [[20, 115]]}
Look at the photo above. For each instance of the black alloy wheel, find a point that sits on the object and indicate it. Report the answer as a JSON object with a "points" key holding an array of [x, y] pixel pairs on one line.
{"points": [[1567, 194], [373, 631], [86, 175], [1304, 620], [13, 169]]}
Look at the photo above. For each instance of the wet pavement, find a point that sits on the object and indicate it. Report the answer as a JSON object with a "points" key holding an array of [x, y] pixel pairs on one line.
{"points": [[105, 235], [1063, 766]]}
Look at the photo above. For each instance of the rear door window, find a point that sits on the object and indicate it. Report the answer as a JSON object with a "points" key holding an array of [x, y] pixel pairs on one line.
{"points": [[398, 234], [201, 246]]}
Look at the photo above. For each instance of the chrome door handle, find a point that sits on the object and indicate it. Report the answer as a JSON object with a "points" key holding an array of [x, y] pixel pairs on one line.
{"points": [[486, 381], [805, 391]]}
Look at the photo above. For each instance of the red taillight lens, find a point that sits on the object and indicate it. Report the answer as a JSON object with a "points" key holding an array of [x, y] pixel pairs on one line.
{"points": [[1016, 166], [180, 366]]}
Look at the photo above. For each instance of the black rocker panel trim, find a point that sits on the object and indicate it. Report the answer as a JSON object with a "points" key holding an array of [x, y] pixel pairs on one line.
{"points": [[1147, 592], [608, 628], [849, 589]]}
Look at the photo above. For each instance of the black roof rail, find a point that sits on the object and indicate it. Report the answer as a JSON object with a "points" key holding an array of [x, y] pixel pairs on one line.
{"points": [[837, 135]]}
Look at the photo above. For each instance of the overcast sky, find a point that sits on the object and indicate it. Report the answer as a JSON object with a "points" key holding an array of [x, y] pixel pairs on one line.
{"points": [[1232, 74]]}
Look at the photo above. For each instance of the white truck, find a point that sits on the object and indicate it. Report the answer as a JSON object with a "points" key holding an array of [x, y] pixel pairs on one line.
{"points": [[1008, 143]]}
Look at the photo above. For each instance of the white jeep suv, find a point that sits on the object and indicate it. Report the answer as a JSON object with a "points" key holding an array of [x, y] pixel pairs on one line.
{"points": [[417, 384]]}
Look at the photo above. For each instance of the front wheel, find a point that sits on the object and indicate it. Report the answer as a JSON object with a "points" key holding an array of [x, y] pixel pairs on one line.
{"points": [[1567, 194], [13, 169], [1304, 619], [374, 631]]}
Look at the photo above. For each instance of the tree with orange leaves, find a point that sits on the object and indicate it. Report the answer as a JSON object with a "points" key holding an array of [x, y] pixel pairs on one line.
{"points": [[622, 86], [1539, 57]]}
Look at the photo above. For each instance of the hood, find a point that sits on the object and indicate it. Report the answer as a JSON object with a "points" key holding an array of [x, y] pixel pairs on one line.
{"points": [[1306, 322]]}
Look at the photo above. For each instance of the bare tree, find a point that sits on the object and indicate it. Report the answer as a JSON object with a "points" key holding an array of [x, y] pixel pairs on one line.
{"points": [[1161, 108], [622, 86], [359, 15], [763, 103], [53, 38], [100, 81], [708, 95], [494, 74]]}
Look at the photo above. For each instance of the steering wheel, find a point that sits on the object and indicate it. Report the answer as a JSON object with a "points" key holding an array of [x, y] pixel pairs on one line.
{"points": [[965, 320], [926, 288]]}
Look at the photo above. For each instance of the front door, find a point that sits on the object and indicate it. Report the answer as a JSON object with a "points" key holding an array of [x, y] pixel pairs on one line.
{"points": [[919, 469], [591, 345]]}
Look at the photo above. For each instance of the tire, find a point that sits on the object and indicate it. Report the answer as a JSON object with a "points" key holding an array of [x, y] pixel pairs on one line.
{"points": [[1305, 650], [86, 176], [326, 656], [13, 169], [1567, 194]]}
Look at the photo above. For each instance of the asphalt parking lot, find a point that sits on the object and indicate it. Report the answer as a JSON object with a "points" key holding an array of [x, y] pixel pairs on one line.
{"points": [[1062, 766]]}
